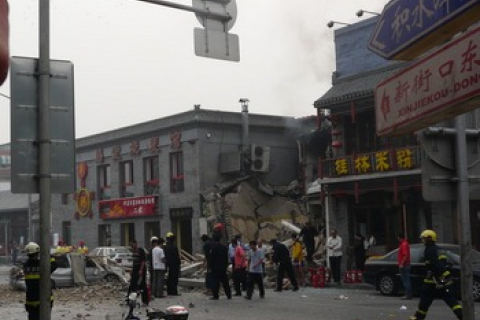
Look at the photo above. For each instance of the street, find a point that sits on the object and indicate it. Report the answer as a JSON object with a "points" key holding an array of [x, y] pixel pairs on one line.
{"points": [[348, 302]]}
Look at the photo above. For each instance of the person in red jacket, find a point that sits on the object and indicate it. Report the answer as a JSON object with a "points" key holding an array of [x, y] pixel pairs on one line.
{"points": [[404, 265]]}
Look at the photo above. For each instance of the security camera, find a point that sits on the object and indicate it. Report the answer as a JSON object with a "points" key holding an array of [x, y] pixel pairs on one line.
{"points": [[359, 13], [330, 24]]}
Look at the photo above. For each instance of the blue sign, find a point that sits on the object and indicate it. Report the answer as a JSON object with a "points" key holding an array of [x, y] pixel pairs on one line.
{"points": [[408, 28]]}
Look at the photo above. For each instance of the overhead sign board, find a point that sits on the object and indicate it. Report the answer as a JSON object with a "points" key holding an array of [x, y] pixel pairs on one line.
{"points": [[440, 86], [408, 28], [24, 126]]}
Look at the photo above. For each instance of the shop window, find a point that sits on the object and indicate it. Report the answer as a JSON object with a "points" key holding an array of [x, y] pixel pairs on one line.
{"points": [[151, 174], [176, 172], [126, 179], [104, 181]]}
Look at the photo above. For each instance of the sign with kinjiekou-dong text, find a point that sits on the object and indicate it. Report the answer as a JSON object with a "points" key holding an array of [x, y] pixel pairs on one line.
{"points": [[438, 87]]}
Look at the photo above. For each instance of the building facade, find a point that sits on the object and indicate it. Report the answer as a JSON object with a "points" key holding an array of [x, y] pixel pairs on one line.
{"points": [[146, 179], [372, 184]]}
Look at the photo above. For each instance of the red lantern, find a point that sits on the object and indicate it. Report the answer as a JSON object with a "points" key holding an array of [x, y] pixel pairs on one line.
{"points": [[337, 144]]}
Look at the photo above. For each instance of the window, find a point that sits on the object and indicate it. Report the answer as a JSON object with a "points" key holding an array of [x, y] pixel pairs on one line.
{"points": [[151, 175], [104, 182], [126, 171], [176, 172], [104, 176], [64, 198], [126, 179]]}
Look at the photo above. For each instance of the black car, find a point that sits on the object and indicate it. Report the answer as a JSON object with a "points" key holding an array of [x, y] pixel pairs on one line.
{"points": [[383, 272]]}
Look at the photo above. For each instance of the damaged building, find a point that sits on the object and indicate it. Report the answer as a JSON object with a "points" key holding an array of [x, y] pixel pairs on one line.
{"points": [[181, 172]]}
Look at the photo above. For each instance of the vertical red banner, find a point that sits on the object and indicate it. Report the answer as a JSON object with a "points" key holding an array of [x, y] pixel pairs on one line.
{"points": [[4, 41]]}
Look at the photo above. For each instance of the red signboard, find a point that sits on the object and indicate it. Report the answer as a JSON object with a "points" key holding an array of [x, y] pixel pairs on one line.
{"points": [[4, 45], [127, 207], [440, 86]]}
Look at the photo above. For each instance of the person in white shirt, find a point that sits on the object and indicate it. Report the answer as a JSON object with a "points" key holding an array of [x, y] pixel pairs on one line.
{"points": [[159, 268], [334, 246]]}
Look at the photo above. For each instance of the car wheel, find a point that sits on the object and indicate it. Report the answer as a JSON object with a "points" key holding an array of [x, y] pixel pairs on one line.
{"points": [[476, 289], [112, 278], [387, 285]]}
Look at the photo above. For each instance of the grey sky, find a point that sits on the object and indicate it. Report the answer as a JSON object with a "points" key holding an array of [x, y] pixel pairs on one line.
{"points": [[135, 61]]}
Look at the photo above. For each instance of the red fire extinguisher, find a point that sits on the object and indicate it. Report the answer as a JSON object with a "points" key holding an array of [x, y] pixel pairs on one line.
{"points": [[348, 277], [359, 276], [316, 280], [322, 280], [327, 276]]}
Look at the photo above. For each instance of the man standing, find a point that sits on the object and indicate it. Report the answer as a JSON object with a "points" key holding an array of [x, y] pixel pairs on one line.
{"points": [[207, 247], [31, 270], [404, 265], [297, 256], [238, 268], [281, 257], [153, 240], [255, 270], [334, 246], [437, 280], [308, 234], [172, 261], [139, 268], [219, 264], [159, 269]]}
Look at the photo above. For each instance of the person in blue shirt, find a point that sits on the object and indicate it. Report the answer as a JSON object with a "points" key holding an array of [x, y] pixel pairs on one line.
{"points": [[255, 270]]}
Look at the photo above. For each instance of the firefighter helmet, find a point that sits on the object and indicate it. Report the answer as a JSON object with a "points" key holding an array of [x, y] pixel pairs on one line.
{"points": [[170, 235], [32, 248], [153, 239], [429, 234]]}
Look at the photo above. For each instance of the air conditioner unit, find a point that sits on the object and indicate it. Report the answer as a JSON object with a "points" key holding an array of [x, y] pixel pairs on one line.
{"points": [[260, 158]]}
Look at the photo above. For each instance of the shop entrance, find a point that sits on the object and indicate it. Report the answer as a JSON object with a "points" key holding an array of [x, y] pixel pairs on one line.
{"points": [[127, 233], [182, 227]]}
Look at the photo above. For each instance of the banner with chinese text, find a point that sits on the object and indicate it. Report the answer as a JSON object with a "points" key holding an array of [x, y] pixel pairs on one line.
{"points": [[127, 207]]}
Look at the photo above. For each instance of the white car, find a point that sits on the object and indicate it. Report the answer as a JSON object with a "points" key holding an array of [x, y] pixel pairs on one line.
{"points": [[121, 255]]}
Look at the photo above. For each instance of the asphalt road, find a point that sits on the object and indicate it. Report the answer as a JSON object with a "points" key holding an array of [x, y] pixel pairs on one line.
{"points": [[348, 302], [309, 303]]}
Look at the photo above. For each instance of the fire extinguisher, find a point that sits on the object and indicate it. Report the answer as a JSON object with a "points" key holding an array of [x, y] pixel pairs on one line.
{"points": [[327, 275], [353, 274], [359, 276], [316, 280], [322, 280], [348, 276], [321, 270]]}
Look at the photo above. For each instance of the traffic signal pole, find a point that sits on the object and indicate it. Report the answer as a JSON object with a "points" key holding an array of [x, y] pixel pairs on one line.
{"points": [[43, 145]]}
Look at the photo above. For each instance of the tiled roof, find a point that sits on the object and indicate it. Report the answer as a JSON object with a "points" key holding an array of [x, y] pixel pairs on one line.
{"points": [[358, 86], [14, 201], [199, 116]]}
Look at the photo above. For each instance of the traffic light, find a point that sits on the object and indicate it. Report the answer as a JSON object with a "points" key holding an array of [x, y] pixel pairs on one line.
{"points": [[4, 48]]}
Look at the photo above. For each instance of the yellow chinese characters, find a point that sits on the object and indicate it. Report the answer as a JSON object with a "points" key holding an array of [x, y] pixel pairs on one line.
{"points": [[341, 166], [362, 164], [404, 159], [382, 162]]}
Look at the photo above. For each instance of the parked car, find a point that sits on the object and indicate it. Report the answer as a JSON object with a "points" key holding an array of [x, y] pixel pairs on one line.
{"points": [[383, 272], [63, 275], [121, 255]]}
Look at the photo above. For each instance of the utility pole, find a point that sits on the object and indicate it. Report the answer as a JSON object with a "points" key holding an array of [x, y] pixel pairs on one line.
{"points": [[463, 211], [44, 157]]}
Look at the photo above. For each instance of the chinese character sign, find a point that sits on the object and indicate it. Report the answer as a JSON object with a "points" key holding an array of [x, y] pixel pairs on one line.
{"points": [[408, 28], [437, 87]]}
